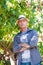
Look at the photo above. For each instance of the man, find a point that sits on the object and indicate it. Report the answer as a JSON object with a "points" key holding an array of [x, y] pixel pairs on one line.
{"points": [[25, 44]]}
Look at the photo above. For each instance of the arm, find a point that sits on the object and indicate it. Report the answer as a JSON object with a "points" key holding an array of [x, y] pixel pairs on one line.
{"points": [[26, 46], [16, 47], [33, 42]]}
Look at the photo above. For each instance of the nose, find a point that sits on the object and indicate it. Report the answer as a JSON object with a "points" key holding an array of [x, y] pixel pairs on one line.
{"points": [[22, 22]]}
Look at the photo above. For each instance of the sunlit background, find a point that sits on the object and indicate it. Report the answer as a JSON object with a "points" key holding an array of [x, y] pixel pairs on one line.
{"points": [[9, 12]]}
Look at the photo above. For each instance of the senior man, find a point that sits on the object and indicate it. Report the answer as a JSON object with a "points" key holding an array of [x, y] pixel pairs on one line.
{"points": [[25, 43]]}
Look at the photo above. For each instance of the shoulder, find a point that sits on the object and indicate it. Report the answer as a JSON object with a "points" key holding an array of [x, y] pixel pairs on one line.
{"points": [[17, 35], [34, 32]]}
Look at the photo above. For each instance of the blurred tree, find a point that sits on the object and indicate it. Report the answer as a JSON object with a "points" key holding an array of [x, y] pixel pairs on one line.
{"points": [[9, 12]]}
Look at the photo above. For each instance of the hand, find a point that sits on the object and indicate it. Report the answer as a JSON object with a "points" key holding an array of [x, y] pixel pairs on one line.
{"points": [[22, 49], [24, 45]]}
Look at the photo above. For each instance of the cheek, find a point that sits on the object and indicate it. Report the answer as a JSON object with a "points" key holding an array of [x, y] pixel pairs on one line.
{"points": [[25, 23], [19, 24]]}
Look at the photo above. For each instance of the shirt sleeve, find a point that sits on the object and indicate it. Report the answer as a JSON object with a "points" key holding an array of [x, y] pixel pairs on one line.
{"points": [[34, 39], [15, 45]]}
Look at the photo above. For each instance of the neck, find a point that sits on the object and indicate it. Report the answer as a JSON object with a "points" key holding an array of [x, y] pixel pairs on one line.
{"points": [[23, 29]]}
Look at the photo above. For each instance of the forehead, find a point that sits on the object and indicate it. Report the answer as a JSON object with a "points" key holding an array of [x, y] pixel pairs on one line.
{"points": [[22, 20]]}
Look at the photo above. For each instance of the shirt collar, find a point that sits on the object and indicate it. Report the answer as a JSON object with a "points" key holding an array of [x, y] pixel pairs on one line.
{"points": [[25, 31]]}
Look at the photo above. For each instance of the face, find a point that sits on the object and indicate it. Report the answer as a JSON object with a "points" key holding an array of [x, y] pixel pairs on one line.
{"points": [[22, 23]]}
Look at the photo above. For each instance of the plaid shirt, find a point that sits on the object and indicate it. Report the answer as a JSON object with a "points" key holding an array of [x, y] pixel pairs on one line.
{"points": [[30, 37]]}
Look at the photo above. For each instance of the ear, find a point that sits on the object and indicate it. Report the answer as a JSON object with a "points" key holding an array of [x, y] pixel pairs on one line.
{"points": [[17, 21], [27, 19]]}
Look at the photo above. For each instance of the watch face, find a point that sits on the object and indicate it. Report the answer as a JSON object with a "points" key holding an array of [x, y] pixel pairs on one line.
{"points": [[24, 38]]}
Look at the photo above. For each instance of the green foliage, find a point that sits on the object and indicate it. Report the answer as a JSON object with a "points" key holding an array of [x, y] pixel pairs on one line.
{"points": [[2, 62], [9, 12], [41, 48]]}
